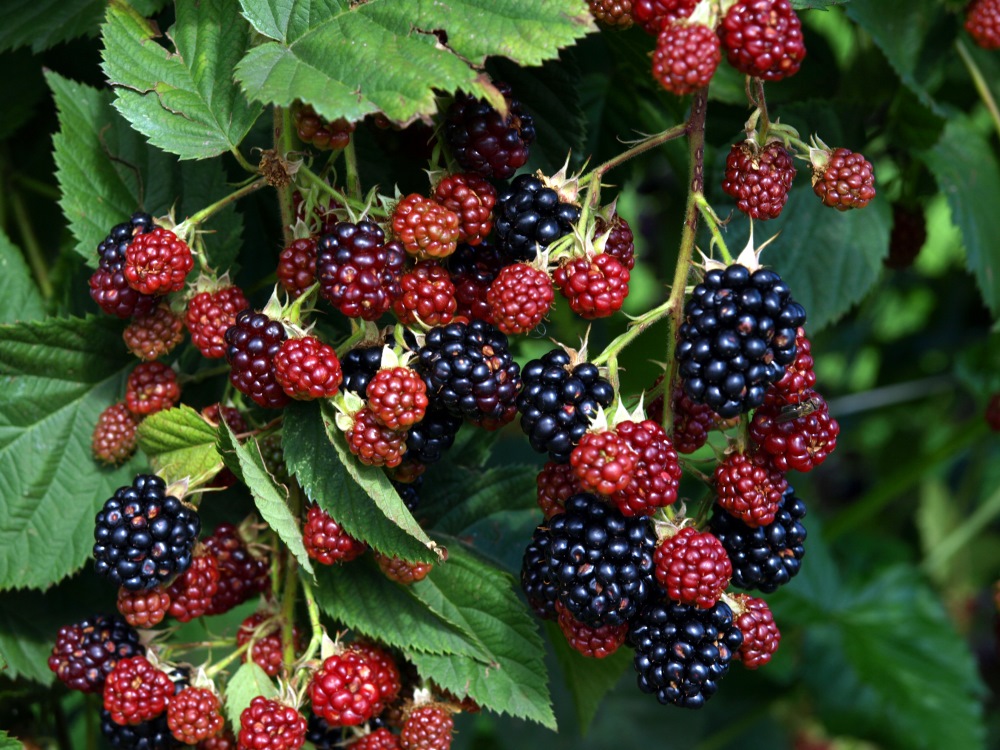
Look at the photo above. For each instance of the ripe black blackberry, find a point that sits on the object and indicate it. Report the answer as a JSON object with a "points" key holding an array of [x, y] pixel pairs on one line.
{"points": [[484, 141], [251, 343], [737, 338], [149, 735], [767, 557], [322, 735], [112, 248], [469, 370], [537, 580], [108, 285], [530, 215], [409, 492], [558, 402], [429, 438], [85, 653], [359, 367], [144, 536], [601, 561], [681, 651]]}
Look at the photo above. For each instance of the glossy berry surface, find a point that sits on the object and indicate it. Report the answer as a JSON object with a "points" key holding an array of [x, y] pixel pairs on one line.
{"points": [[427, 728], [136, 691], [428, 295], [268, 650], [595, 287], [143, 609], [845, 181], [269, 725], [252, 342], [485, 142], [760, 635], [385, 673], [519, 298], [596, 643], [297, 266], [472, 198], [763, 38], [537, 580], [796, 436], [737, 338], [982, 21], [796, 385], [326, 541], [143, 536], [759, 178], [601, 561], [191, 593], [652, 15], [428, 439], [373, 443], [603, 462], [157, 262], [358, 271], [110, 290], [151, 387], [194, 715], [306, 368], [749, 487], [402, 571], [530, 215], [425, 227], [85, 653], [397, 397], [154, 335], [147, 735], [359, 367], [685, 57], [693, 568], [344, 691], [319, 132], [681, 652], [613, 13], [473, 270], [765, 557], [114, 438], [556, 484], [620, 243], [692, 421], [210, 314], [241, 574], [558, 401], [656, 474], [379, 739]]}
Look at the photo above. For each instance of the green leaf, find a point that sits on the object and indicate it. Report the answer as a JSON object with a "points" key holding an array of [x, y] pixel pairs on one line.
{"points": [[184, 102], [56, 377], [356, 59], [271, 498], [965, 167], [588, 680], [9, 743], [471, 496], [21, 88], [180, 443], [45, 23], [816, 4], [358, 595], [480, 599], [19, 297], [361, 498], [247, 683], [106, 171]]}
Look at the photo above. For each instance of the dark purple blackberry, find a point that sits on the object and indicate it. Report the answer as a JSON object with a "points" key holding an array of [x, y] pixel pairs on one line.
{"points": [[358, 271], [601, 561], [112, 248], [359, 367], [737, 338], [143, 536], [681, 652], [484, 141], [767, 557], [537, 581], [85, 653], [529, 215], [483, 261], [557, 404], [409, 492], [149, 735], [322, 735], [469, 371], [251, 343], [429, 438], [108, 286]]}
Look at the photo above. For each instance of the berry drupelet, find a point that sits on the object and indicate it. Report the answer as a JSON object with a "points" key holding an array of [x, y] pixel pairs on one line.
{"points": [[530, 215], [358, 271], [759, 178], [251, 345], [85, 653]]}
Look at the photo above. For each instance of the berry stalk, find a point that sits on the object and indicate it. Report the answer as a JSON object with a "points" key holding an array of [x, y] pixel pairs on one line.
{"points": [[32, 247], [713, 225], [283, 130], [636, 328], [641, 147], [209, 211], [351, 167], [979, 80]]}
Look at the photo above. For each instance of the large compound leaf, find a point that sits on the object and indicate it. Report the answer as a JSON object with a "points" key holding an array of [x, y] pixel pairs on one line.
{"points": [[19, 297], [360, 498], [106, 171], [349, 60], [966, 169], [41, 24], [186, 101], [56, 377]]}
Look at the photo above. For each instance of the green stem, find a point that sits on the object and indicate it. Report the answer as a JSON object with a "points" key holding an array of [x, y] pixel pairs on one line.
{"points": [[283, 133], [314, 622], [237, 154], [236, 654], [713, 226], [290, 591], [980, 81], [636, 328], [761, 103], [33, 248], [209, 211], [351, 167], [201, 375], [314, 179], [641, 147], [696, 184]]}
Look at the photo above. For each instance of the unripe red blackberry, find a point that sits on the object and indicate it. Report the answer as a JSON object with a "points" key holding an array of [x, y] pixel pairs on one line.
{"points": [[143, 609], [210, 314], [241, 575], [385, 672], [427, 727], [620, 243], [402, 571], [692, 421], [760, 635], [154, 335], [603, 462], [151, 387], [425, 227], [428, 295], [614, 13], [344, 691], [693, 568], [656, 474], [322, 134], [982, 21], [326, 541], [843, 179], [158, 262], [484, 141], [379, 739], [306, 368], [373, 443], [270, 725], [796, 436], [749, 487], [397, 397], [472, 198], [519, 298], [596, 643], [358, 271], [652, 15], [225, 740], [297, 266], [556, 484], [268, 651], [685, 57], [194, 715], [763, 38], [114, 438], [796, 385], [759, 178], [191, 592], [252, 341], [136, 691], [85, 653], [472, 271], [595, 287], [909, 233]]}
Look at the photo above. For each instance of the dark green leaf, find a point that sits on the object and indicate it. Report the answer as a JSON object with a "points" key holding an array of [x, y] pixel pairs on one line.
{"points": [[361, 498], [21, 88], [180, 443], [247, 683], [56, 377], [19, 297], [9, 743]]}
